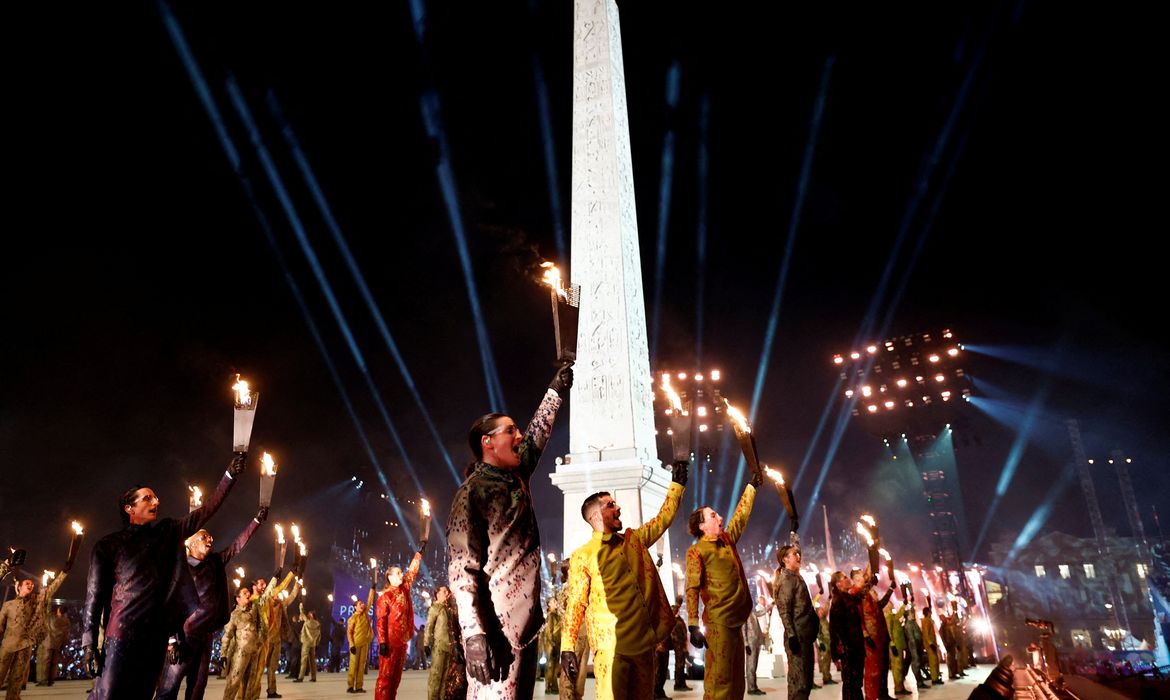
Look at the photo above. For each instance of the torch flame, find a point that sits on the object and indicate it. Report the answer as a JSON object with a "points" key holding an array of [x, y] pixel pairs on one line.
{"points": [[240, 571], [353, 598], [552, 277], [868, 520], [552, 558], [671, 395], [236, 582], [77, 529], [373, 563], [47, 576], [243, 394], [741, 421], [330, 597], [426, 507], [865, 534], [301, 545], [267, 465], [774, 475], [885, 555], [279, 533], [296, 533], [196, 495]]}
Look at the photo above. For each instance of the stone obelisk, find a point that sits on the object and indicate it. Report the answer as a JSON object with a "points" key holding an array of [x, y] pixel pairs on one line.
{"points": [[611, 428]]}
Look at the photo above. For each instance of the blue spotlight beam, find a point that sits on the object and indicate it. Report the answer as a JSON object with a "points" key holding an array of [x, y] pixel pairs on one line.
{"points": [[237, 99], [665, 182], [355, 271], [195, 74], [431, 109], [1042, 513], [810, 148], [1019, 444]]}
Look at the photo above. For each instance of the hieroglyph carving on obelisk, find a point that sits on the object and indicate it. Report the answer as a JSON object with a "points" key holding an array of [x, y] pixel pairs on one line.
{"points": [[611, 428]]}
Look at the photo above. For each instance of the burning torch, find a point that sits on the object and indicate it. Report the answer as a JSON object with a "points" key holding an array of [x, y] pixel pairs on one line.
{"points": [[566, 303], [245, 414], [788, 501], [195, 498], [867, 529], [743, 433], [47, 576], [267, 479], [281, 546], [680, 422], [889, 562], [425, 506], [74, 543]]}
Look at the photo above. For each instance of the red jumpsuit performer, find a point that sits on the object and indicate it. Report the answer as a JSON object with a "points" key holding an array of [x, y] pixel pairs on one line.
{"points": [[395, 622], [877, 636]]}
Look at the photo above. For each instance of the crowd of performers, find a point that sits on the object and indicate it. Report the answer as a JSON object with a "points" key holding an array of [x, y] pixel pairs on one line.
{"points": [[157, 592]]}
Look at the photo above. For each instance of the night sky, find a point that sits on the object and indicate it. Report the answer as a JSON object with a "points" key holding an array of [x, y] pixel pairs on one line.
{"points": [[137, 279]]}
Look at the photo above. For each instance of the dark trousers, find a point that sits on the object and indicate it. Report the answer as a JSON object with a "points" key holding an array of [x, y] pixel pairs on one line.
{"points": [[800, 670], [131, 670], [852, 677], [662, 662], [193, 669], [680, 668]]}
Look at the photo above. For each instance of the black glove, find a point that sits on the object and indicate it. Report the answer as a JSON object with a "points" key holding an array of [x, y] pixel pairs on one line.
{"points": [[352, 650], [89, 661], [301, 566], [481, 663], [869, 643], [678, 472], [426, 651], [821, 647], [562, 381], [659, 564], [934, 648], [569, 665], [262, 514], [757, 479], [278, 574], [383, 650], [422, 545], [697, 638], [239, 461], [793, 646], [747, 649]]}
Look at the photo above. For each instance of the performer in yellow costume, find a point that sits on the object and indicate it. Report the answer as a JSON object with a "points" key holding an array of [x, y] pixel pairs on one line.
{"points": [[715, 574], [612, 574]]}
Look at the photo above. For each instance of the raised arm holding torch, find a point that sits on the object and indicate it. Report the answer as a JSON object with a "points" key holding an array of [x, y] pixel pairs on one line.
{"points": [[788, 501]]}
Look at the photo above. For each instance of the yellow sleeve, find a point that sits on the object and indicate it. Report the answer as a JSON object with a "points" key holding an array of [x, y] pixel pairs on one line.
{"points": [[653, 528], [578, 598], [370, 600], [743, 511], [273, 591], [694, 585]]}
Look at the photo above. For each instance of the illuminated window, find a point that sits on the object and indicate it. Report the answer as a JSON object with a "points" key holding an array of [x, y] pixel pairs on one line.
{"points": [[1141, 569], [1040, 570], [1064, 572], [1090, 571]]}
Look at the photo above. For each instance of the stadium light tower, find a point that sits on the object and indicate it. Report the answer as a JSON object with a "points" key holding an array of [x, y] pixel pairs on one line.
{"points": [[912, 387]]}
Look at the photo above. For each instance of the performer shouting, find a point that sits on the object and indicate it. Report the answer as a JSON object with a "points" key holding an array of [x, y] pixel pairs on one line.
{"points": [[395, 622], [715, 574], [132, 576], [241, 644], [205, 608], [21, 621], [494, 550], [628, 613]]}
